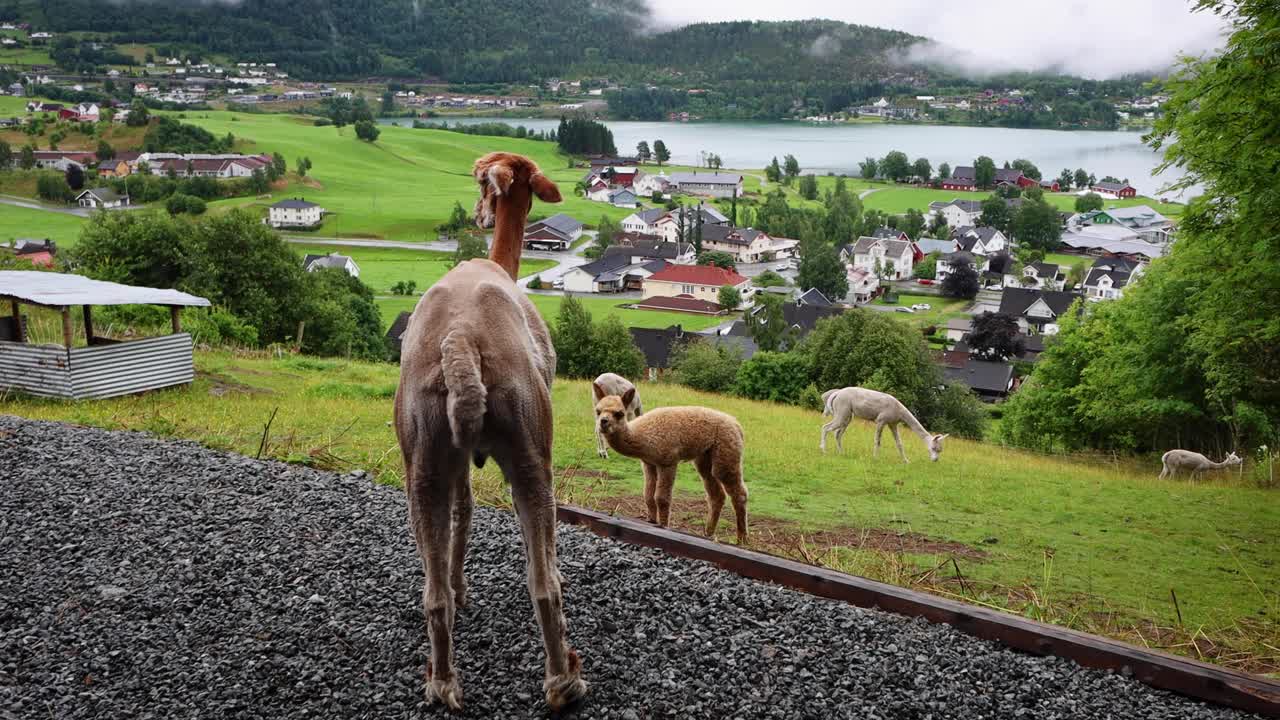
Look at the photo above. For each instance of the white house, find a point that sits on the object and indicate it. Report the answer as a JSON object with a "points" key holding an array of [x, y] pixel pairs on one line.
{"points": [[948, 263], [958, 213], [668, 226], [102, 198], [612, 273], [891, 259], [557, 232], [1038, 309], [1039, 275], [862, 284], [294, 213], [701, 282], [646, 185], [311, 263], [1109, 277], [746, 245], [714, 183], [643, 222], [980, 240]]}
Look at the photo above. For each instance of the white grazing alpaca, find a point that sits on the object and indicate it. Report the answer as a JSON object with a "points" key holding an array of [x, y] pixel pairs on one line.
{"points": [[1193, 462], [844, 404], [613, 385]]}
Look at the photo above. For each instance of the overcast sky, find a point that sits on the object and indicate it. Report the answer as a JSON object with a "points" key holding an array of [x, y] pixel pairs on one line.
{"points": [[1093, 38]]}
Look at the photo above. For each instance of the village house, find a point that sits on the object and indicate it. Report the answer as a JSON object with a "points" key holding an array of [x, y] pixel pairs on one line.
{"points": [[991, 381], [40, 253], [614, 272], [889, 259], [658, 345], [979, 240], [1147, 224], [1040, 275], [62, 159], [643, 222], [699, 282], [646, 184], [1106, 239], [311, 263], [962, 184], [957, 213], [746, 245], [950, 262], [1036, 309], [668, 225], [1109, 277], [863, 285], [294, 213], [801, 316], [713, 184], [557, 232], [101, 198], [1114, 189], [640, 250]]}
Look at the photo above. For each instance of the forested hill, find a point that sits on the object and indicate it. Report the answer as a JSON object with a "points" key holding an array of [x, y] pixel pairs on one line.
{"points": [[475, 41]]}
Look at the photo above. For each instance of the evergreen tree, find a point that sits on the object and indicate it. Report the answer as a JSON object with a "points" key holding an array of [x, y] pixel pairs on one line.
{"points": [[791, 167], [820, 268], [660, 152]]}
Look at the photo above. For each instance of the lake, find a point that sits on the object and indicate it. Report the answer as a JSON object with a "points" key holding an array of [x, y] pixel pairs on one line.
{"points": [[838, 148]]}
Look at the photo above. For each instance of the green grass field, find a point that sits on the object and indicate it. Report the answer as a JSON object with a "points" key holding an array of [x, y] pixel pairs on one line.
{"points": [[399, 187], [16, 222], [1087, 542], [941, 309], [380, 268], [25, 56], [599, 307]]}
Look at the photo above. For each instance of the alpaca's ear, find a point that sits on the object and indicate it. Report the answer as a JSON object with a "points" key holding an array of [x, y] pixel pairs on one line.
{"points": [[546, 190], [599, 391], [628, 396], [500, 178], [944, 437]]}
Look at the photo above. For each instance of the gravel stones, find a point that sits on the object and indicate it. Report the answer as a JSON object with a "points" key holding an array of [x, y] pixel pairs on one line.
{"points": [[143, 578]]}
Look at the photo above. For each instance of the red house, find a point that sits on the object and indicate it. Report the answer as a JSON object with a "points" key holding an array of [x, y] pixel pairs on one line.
{"points": [[1049, 185], [1120, 190], [961, 183]]}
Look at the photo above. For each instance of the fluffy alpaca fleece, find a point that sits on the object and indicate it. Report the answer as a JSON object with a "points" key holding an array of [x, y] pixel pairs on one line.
{"points": [[661, 439], [475, 383]]}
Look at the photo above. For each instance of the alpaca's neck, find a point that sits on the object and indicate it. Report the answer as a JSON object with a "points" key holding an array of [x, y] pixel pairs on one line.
{"points": [[911, 422], [508, 236], [623, 441]]}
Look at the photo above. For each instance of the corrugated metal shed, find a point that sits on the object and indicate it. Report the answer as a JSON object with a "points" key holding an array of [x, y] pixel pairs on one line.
{"points": [[43, 288], [97, 372]]}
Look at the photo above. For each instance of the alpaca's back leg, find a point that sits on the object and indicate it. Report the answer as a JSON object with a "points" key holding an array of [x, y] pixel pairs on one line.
{"points": [[435, 472], [650, 491], [840, 431], [463, 503], [526, 463], [1164, 471], [715, 493], [728, 472], [879, 431]]}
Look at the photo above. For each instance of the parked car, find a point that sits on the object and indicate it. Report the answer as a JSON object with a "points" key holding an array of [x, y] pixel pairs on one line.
{"points": [[557, 284], [925, 281], [903, 309], [922, 306]]}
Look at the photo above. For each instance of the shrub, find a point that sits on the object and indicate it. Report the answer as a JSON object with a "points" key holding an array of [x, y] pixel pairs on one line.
{"points": [[959, 412], [535, 283], [706, 367], [780, 377]]}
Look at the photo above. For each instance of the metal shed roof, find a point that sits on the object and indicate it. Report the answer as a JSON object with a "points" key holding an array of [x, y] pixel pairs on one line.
{"points": [[46, 288]]}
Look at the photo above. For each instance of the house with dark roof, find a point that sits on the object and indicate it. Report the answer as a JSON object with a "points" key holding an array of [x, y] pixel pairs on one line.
{"points": [[644, 222], [668, 226], [395, 333], [990, 381], [961, 184], [640, 249], [557, 232], [980, 240], [702, 282], [957, 212], [312, 263], [1039, 275], [294, 213], [1109, 277], [746, 245], [801, 317], [892, 259], [1038, 309], [101, 198], [614, 272], [950, 262], [713, 184], [1114, 189], [658, 346]]}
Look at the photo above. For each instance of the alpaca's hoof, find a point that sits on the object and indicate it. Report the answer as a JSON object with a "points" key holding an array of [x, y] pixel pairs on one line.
{"points": [[459, 596], [445, 691], [603, 454], [564, 690]]}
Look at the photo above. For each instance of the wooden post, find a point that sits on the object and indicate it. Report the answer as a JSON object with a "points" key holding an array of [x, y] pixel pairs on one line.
{"points": [[67, 331], [88, 324], [17, 323], [302, 328], [175, 315]]}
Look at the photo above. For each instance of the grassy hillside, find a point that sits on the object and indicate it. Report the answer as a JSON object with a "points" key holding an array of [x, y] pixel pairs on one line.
{"points": [[399, 187], [1087, 542], [19, 222]]}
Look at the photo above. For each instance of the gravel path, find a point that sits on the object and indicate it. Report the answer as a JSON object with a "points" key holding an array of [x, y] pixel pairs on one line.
{"points": [[151, 579]]}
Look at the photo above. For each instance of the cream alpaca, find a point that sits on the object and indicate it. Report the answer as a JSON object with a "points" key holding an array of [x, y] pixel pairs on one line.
{"points": [[662, 438], [614, 385], [1193, 462], [882, 409], [475, 381]]}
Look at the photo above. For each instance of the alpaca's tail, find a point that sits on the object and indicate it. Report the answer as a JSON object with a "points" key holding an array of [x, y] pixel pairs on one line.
{"points": [[826, 400], [460, 363]]}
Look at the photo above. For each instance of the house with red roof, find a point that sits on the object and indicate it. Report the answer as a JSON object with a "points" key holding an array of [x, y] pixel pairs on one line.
{"points": [[698, 282]]}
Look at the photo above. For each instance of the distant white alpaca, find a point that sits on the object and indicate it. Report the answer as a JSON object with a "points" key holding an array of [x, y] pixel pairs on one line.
{"points": [[1193, 462], [844, 404], [614, 385]]}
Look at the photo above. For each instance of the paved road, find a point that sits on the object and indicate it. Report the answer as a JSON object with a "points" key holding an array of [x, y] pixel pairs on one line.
{"points": [[862, 195], [34, 205]]}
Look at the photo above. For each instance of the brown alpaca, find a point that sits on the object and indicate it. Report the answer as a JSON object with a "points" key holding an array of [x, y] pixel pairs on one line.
{"points": [[475, 380], [660, 439]]}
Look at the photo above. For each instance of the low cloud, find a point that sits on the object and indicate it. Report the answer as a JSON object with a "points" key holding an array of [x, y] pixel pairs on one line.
{"points": [[824, 47], [1092, 38]]}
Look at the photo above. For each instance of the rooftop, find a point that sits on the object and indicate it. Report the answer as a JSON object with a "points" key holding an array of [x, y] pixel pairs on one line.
{"points": [[699, 275], [58, 289]]}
